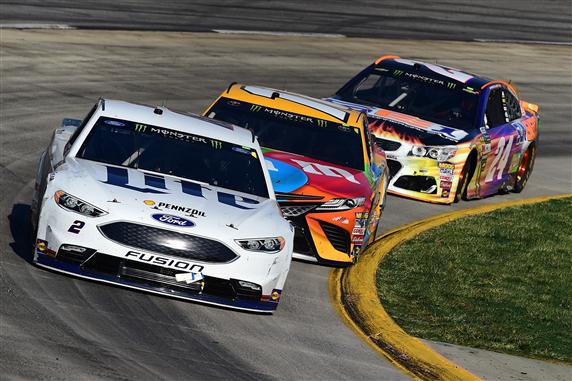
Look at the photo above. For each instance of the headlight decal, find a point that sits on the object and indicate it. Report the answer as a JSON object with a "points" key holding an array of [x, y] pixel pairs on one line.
{"points": [[74, 204], [442, 153], [341, 204], [264, 245]]}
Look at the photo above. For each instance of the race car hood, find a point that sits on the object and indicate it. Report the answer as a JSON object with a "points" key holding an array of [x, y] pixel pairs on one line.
{"points": [[302, 175], [133, 195], [407, 128]]}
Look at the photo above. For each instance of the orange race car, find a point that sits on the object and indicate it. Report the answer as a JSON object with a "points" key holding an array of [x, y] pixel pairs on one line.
{"points": [[329, 179]]}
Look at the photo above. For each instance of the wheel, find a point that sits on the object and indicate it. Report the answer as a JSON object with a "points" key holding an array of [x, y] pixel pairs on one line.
{"points": [[464, 178], [525, 168]]}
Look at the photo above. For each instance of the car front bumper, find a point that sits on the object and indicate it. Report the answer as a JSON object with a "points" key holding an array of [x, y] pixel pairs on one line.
{"points": [[107, 261]]}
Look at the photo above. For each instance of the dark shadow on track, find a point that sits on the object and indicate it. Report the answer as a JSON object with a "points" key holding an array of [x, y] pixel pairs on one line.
{"points": [[21, 230]]}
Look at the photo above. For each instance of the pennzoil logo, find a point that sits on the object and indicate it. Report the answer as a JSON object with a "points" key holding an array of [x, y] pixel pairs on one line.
{"points": [[140, 127], [255, 108], [216, 144]]}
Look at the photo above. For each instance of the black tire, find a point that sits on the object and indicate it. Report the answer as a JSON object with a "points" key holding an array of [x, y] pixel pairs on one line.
{"points": [[465, 177], [525, 168]]}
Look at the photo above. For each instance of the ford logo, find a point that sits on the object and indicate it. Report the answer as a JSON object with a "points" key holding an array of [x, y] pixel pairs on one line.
{"points": [[173, 220]]}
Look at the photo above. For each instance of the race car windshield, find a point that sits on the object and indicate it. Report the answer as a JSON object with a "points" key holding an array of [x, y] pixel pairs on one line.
{"points": [[430, 98], [285, 131], [170, 152]]}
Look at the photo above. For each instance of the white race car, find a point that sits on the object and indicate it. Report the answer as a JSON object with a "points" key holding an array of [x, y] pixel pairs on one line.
{"points": [[165, 202]]}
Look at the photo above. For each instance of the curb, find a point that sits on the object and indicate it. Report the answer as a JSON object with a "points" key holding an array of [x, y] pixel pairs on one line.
{"points": [[354, 294]]}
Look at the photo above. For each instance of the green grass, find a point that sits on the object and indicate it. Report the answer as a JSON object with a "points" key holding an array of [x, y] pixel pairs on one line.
{"points": [[500, 281]]}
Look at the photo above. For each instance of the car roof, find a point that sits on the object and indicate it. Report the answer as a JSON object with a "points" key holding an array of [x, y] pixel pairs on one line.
{"points": [[395, 62], [175, 120], [295, 103]]}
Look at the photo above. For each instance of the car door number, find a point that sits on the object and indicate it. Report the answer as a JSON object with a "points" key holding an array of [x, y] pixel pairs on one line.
{"points": [[500, 161]]}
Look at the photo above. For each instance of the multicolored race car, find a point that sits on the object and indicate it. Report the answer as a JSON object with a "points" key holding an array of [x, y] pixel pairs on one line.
{"points": [[447, 134], [329, 181]]}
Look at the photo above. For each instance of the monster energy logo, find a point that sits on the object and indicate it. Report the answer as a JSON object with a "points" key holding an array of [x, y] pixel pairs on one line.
{"points": [[255, 108], [216, 144], [397, 73], [451, 85], [322, 122], [140, 127]]}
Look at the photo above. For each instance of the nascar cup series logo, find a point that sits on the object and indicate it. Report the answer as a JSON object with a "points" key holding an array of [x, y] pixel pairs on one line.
{"points": [[173, 220]]}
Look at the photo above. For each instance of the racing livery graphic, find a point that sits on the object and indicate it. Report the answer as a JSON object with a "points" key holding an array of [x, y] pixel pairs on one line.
{"points": [[164, 202], [329, 180], [447, 134]]}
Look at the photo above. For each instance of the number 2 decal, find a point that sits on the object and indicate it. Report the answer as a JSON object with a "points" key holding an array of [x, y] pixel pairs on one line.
{"points": [[501, 159], [76, 226]]}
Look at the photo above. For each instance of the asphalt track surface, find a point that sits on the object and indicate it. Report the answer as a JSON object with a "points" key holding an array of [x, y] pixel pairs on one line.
{"points": [[58, 327], [545, 20]]}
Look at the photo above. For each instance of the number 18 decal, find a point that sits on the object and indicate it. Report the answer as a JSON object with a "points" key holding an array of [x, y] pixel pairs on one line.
{"points": [[502, 154]]}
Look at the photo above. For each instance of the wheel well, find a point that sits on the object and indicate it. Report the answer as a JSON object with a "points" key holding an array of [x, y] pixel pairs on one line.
{"points": [[472, 160]]}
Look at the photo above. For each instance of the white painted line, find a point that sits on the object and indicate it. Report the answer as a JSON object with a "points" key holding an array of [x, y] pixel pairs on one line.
{"points": [[523, 42], [287, 34], [35, 26]]}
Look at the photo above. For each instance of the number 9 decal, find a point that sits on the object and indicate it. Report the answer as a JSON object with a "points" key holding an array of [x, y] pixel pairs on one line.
{"points": [[76, 226]]}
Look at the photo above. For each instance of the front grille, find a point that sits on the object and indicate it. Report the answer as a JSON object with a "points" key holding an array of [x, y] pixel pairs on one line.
{"points": [[164, 278], [296, 210], [338, 237], [387, 145], [302, 237], [424, 184], [167, 242], [130, 269], [394, 167]]}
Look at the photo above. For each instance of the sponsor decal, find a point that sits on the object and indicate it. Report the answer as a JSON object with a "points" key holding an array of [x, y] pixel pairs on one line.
{"points": [[360, 223], [514, 163], [325, 170], [358, 239], [173, 220], [189, 277], [157, 185], [177, 264], [216, 144], [178, 208], [41, 245], [445, 193], [356, 250], [358, 231], [363, 215], [487, 147], [446, 184], [114, 123], [275, 295], [445, 165], [140, 127], [149, 202], [285, 177], [232, 102], [341, 219], [241, 150], [446, 169], [445, 178]]}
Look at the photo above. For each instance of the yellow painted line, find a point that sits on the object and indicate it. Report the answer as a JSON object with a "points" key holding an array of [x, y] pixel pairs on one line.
{"points": [[354, 294]]}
